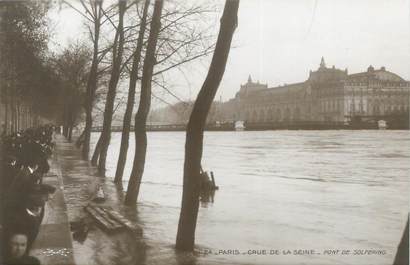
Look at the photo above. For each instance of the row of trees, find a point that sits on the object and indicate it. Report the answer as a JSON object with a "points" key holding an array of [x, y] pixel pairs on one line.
{"points": [[37, 85], [178, 40], [27, 81], [142, 47]]}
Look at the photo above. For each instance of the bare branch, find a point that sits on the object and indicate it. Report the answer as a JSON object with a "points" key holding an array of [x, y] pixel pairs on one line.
{"points": [[205, 53], [78, 11], [87, 10]]}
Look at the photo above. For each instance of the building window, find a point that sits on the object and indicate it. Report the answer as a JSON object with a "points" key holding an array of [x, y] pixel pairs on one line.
{"points": [[376, 110]]}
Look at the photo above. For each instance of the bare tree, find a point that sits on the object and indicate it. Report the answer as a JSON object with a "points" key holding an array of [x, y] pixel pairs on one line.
{"points": [[143, 108], [181, 40], [112, 87], [195, 130], [72, 67], [131, 97], [26, 78], [93, 13]]}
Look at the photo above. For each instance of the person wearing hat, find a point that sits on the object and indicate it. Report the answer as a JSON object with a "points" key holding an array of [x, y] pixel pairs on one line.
{"points": [[27, 216]]}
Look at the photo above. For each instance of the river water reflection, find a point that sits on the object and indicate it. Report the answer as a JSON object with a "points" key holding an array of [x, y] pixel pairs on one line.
{"points": [[280, 190]]}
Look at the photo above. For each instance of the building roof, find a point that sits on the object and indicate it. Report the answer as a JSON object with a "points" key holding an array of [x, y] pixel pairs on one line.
{"points": [[380, 74], [281, 89]]}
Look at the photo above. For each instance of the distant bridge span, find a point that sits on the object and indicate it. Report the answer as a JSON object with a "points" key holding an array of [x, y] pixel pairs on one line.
{"points": [[150, 128], [226, 126], [251, 126]]}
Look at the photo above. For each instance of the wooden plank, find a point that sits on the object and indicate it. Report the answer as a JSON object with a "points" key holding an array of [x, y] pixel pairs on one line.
{"points": [[103, 218], [114, 223], [123, 220], [111, 219], [98, 217]]}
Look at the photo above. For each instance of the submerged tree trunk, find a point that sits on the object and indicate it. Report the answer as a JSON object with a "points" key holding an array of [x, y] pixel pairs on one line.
{"points": [[195, 129], [97, 149], [112, 88], [131, 98], [143, 108], [92, 82]]}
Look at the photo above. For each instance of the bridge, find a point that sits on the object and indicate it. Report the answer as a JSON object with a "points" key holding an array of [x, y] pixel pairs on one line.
{"points": [[254, 126], [357, 122], [229, 126], [150, 128]]}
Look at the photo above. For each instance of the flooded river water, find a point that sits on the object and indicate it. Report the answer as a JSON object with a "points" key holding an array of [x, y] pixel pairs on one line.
{"points": [[285, 197]]}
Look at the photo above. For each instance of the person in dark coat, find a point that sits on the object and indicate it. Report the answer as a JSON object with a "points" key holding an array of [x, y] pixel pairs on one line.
{"points": [[22, 183], [26, 218], [30, 213]]}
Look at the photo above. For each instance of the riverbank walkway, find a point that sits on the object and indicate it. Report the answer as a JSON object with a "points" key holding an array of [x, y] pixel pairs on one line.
{"points": [[77, 183]]}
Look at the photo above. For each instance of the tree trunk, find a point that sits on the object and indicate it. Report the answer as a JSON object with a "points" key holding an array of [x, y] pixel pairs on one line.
{"points": [[402, 255], [70, 134], [18, 125], [13, 112], [92, 83], [80, 140], [195, 129], [65, 115], [131, 98], [143, 108], [112, 88], [6, 110], [70, 125], [94, 159]]}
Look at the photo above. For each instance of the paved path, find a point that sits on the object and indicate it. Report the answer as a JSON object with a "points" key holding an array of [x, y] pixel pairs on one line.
{"points": [[81, 182], [77, 183], [53, 244]]}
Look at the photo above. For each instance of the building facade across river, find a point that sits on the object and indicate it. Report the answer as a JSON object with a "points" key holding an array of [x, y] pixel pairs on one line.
{"points": [[328, 95]]}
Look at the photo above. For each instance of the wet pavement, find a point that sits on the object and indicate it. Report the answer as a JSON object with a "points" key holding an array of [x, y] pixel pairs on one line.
{"points": [[78, 183], [81, 182], [53, 244]]}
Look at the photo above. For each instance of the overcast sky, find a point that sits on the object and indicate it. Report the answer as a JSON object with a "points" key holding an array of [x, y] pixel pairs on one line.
{"points": [[279, 41]]}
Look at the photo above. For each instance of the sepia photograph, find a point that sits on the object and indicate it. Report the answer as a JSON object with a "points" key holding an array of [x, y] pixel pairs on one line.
{"points": [[204, 132]]}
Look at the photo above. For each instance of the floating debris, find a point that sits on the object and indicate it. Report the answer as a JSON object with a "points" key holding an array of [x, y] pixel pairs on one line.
{"points": [[100, 197], [65, 252]]}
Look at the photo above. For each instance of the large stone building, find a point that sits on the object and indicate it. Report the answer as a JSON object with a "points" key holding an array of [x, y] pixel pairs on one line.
{"points": [[329, 95]]}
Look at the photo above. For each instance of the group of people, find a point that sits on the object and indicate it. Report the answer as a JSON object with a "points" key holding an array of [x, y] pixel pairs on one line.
{"points": [[24, 162]]}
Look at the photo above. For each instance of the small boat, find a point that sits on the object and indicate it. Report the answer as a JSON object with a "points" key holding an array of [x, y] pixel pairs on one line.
{"points": [[239, 126], [382, 124]]}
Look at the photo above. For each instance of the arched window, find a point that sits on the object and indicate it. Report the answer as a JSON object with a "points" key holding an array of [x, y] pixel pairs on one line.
{"points": [[296, 114], [286, 116], [261, 116], [254, 116], [376, 109], [278, 115], [270, 115]]}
